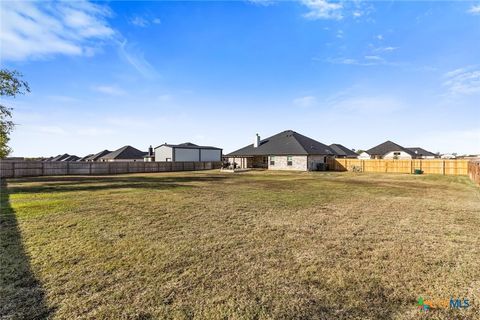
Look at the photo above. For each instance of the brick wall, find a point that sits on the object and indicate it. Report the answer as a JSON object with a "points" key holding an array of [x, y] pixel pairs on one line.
{"points": [[298, 163]]}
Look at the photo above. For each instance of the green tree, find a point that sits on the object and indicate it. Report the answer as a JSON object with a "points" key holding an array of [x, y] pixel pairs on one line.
{"points": [[11, 85]]}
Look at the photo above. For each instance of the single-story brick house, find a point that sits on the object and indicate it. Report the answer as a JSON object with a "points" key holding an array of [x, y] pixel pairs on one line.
{"points": [[343, 152], [97, 156], [391, 150], [287, 150], [126, 153]]}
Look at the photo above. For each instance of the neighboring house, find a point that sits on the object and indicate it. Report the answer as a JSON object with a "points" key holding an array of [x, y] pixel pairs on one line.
{"points": [[287, 150], [124, 154], [387, 150], [421, 153], [70, 158], [342, 151], [85, 158], [150, 157], [187, 152], [97, 156], [448, 156], [60, 157]]}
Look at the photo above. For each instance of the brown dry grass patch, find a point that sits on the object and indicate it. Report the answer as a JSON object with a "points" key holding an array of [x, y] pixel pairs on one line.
{"points": [[257, 245]]}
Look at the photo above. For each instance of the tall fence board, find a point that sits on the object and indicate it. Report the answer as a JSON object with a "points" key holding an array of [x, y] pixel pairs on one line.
{"points": [[474, 171], [428, 166], [14, 169]]}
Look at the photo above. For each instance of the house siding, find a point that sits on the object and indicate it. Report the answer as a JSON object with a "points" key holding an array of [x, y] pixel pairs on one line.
{"points": [[210, 155], [314, 160], [403, 155], [163, 153], [298, 163], [186, 154]]}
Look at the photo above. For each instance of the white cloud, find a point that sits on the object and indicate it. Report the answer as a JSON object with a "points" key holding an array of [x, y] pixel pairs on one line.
{"points": [[139, 21], [366, 61], [379, 37], [264, 3], [109, 90], [367, 104], [305, 102], [136, 59], [357, 14], [323, 9], [143, 21], [374, 58], [463, 81], [475, 10], [385, 49], [40, 29]]}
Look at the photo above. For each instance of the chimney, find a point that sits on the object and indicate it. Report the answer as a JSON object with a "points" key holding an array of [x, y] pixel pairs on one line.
{"points": [[150, 151], [256, 142]]}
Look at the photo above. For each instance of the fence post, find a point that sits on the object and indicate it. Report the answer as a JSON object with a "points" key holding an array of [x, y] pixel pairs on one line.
{"points": [[443, 167], [13, 169], [89, 168]]}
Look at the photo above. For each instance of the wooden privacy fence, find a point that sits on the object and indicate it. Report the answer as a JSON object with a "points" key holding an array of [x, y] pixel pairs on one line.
{"points": [[436, 166], [14, 169], [474, 171]]}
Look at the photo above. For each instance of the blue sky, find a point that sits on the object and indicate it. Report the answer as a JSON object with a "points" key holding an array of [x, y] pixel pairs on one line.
{"points": [[107, 74]]}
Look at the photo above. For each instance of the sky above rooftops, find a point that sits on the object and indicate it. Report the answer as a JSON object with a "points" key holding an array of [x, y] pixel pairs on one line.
{"points": [[107, 74]]}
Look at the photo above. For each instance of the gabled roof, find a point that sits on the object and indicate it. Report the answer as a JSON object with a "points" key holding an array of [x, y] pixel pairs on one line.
{"points": [[421, 152], [85, 158], [71, 158], [97, 156], [386, 147], [126, 152], [60, 157], [341, 150], [285, 143], [187, 145]]}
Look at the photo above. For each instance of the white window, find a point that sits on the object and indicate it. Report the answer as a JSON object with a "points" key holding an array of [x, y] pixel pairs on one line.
{"points": [[289, 161], [272, 160]]}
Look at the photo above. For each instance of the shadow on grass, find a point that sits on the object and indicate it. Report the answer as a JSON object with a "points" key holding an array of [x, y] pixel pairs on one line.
{"points": [[21, 294], [95, 183]]}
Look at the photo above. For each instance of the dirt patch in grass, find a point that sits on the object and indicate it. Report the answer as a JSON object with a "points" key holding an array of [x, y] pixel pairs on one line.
{"points": [[257, 245]]}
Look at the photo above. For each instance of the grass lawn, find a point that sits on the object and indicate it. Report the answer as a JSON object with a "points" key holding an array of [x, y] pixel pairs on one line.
{"points": [[256, 245]]}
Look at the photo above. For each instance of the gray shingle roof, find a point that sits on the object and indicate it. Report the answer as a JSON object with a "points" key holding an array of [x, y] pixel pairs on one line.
{"points": [[386, 147], [85, 157], [60, 157], [126, 152], [97, 156], [341, 150], [421, 152], [285, 143], [71, 158]]}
